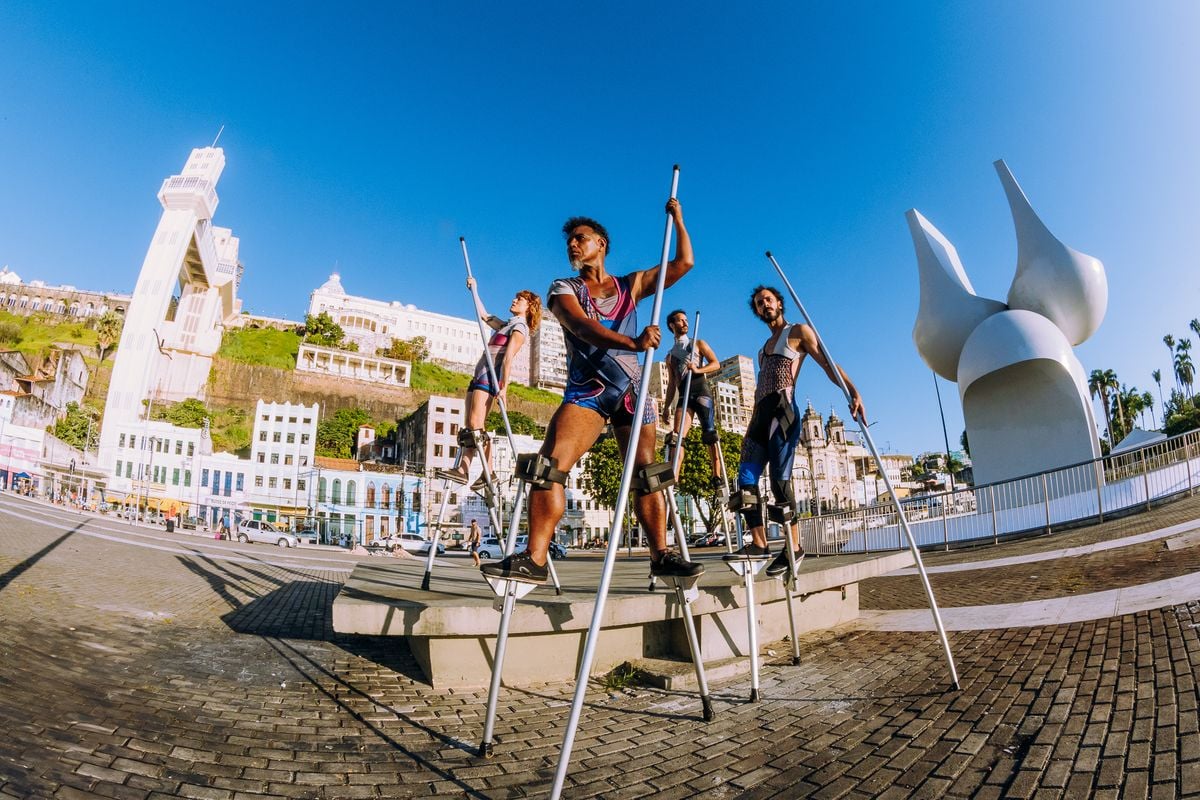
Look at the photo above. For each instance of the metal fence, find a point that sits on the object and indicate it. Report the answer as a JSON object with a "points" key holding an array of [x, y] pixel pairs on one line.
{"points": [[1113, 485]]}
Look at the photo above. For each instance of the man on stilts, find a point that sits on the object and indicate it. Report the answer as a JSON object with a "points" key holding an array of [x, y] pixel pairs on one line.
{"points": [[774, 428], [598, 314], [699, 359]]}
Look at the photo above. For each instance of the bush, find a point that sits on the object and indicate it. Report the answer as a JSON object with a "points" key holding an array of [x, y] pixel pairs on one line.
{"points": [[10, 333]]}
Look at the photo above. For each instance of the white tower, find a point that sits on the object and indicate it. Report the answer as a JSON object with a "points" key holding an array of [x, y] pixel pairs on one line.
{"points": [[185, 292]]}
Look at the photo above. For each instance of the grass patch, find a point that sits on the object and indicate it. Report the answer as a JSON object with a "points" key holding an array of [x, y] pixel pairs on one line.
{"points": [[533, 395], [32, 335], [436, 379], [622, 677], [266, 347]]}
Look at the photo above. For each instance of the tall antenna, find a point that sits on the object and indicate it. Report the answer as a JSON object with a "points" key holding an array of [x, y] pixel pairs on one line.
{"points": [[214, 144]]}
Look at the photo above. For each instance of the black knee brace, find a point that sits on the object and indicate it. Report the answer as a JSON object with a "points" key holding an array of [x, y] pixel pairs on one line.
{"points": [[653, 478], [540, 471], [783, 510], [672, 439], [471, 438], [710, 437]]}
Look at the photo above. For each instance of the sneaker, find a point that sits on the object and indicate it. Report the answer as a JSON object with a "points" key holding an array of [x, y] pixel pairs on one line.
{"points": [[780, 565], [518, 567], [673, 565], [452, 475], [749, 552]]}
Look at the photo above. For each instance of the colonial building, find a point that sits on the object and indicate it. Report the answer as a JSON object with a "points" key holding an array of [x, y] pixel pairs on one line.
{"points": [[36, 297], [825, 469]]}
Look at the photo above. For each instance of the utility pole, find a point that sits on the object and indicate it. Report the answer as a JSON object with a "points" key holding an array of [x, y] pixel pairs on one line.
{"points": [[945, 436]]}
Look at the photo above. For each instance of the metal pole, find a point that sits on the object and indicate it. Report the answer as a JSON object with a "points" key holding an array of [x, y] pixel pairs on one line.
{"points": [[945, 436], [1187, 456], [945, 526], [1099, 488], [995, 521], [1046, 500], [1145, 476], [614, 539], [912, 542]]}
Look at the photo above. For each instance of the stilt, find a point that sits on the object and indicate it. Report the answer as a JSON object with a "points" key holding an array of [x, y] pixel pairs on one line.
{"points": [[912, 542]]}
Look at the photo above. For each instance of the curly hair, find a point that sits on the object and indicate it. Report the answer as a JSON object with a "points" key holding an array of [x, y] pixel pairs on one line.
{"points": [[601, 231], [533, 315], [772, 290], [673, 313]]}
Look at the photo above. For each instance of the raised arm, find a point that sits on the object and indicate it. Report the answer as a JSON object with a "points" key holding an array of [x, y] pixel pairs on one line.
{"points": [[807, 343], [646, 281], [493, 322]]}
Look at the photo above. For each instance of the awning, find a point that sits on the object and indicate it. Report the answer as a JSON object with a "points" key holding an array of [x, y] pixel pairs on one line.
{"points": [[21, 476]]}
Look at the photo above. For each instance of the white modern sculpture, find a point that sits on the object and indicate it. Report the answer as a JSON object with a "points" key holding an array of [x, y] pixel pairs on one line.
{"points": [[1024, 394]]}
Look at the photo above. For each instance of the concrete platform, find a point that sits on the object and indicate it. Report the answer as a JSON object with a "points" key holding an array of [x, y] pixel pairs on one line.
{"points": [[451, 629]]}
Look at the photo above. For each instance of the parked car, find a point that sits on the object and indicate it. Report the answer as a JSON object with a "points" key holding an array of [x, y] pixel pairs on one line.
{"points": [[557, 550], [259, 530], [412, 542], [308, 536], [491, 547]]}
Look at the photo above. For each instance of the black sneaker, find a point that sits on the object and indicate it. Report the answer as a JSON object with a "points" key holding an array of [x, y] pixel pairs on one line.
{"points": [[673, 565], [780, 565], [451, 475], [518, 567], [749, 552]]}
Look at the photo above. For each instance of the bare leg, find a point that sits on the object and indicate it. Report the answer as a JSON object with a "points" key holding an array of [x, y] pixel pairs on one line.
{"points": [[651, 509], [478, 405], [572, 431], [683, 423]]}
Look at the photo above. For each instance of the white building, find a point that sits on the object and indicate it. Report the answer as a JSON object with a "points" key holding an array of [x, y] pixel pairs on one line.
{"points": [[186, 290], [548, 356], [372, 324], [282, 450], [732, 413]]}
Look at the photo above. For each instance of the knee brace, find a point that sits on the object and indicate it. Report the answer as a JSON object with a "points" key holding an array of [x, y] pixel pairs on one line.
{"points": [[710, 437], [653, 478], [783, 510], [540, 471], [471, 438], [746, 501], [672, 439]]}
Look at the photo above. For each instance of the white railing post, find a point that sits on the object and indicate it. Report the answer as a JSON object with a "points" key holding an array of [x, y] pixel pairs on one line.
{"points": [[1096, 468], [1046, 500], [995, 519]]}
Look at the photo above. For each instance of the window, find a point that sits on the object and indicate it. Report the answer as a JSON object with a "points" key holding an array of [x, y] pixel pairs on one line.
{"points": [[275, 437], [439, 427], [187, 477], [437, 451], [304, 438], [266, 418], [216, 484], [228, 483], [453, 428], [304, 461], [191, 449], [279, 419], [122, 441], [132, 442], [262, 458], [272, 483], [204, 477], [292, 420], [288, 459], [258, 481], [118, 472], [300, 484], [179, 447], [291, 438], [321, 490], [337, 491], [241, 481], [128, 469], [175, 477], [274, 458], [262, 436], [370, 494], [350, 493], [287, 483]]}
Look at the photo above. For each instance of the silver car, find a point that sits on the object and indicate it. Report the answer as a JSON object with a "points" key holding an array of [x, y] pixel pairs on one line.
{"points": [[259, 530]]}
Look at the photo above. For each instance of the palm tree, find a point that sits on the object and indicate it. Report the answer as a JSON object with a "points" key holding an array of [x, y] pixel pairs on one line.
{"points": [[1195, 326], [1185, 371], [1169, 341], [1148, 403], [1115, 385], [108, 332], [1098, 386], [1157, 375]]}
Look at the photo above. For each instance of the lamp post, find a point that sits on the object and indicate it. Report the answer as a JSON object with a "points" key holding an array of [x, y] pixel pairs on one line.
{"points": [[945, 436]]}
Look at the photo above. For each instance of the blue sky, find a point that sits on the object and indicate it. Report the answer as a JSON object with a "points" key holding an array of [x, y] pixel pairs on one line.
{"points": [[371, 136]]}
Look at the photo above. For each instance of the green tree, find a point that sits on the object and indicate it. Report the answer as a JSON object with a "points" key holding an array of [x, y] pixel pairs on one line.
{"points": [[108, 332], [74, 427], [414, 351], [1099, 384], [321, 330], [337, 434], [1185, 371], [1157, 375], [1186, 419], [189, 413], [521, 423], [602, 471], [10, 333], [1169, 341], [966, 446], [695, 474]]}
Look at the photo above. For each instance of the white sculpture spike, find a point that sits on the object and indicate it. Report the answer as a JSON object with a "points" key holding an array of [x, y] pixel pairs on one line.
{"points": [[1065, 286], [950, 310]]}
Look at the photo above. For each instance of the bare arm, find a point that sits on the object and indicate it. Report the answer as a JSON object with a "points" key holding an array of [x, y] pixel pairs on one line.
{"points": [[493, 322], [807, 341], [708, 358], [570, 315], [645, 282], [672, 384]]}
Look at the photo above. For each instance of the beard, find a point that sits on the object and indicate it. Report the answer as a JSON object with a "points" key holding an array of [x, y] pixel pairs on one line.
{"points": [[769, 316], [576, 264]]}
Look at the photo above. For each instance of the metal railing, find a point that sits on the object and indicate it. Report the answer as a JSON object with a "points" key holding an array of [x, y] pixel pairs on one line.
{"points": [[1131, 481]]}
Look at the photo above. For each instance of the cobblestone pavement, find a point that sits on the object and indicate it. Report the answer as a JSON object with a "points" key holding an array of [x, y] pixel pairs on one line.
{"points": [[140, 665]]}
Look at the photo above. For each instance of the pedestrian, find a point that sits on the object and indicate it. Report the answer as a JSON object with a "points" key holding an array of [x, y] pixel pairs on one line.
{"points": [[774, 428], [698, 359], [506, 341], [474, 539], [598, 314]]}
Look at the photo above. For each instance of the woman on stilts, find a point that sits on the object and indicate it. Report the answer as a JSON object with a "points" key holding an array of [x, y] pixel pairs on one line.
{"points": [[506, 341]]}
